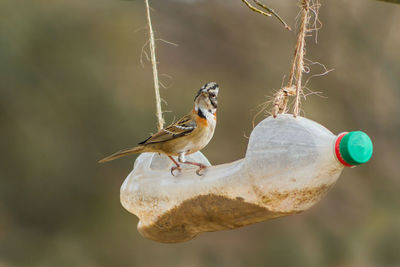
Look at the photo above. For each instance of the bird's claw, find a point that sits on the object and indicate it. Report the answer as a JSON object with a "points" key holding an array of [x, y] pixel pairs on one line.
{"points": [[201, 167], [175, 168], [198, 171]]}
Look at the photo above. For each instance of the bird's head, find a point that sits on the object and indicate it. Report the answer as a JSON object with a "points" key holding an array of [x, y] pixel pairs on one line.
{"points": [[206, 97]]}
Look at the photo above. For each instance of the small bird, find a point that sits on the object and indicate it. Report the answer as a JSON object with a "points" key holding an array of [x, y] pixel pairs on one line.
{"points": [[186, 136]]}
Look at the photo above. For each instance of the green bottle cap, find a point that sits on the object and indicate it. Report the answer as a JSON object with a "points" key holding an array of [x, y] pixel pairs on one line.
{"points": [[356, 148]]}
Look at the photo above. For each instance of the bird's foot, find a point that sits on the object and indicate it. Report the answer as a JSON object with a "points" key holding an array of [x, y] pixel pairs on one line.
{"points": [[200, 169], [174, 169]]}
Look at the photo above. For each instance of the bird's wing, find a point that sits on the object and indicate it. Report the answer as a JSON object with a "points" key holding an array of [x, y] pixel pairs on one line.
{"points": [[180, 128]]}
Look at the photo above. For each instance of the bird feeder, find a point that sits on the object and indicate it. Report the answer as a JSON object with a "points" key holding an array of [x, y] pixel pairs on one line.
{"points": [[290, 164]]}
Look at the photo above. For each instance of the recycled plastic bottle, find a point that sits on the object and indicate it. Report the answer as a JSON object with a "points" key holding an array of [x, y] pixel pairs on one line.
{"points": [[290, 164]]}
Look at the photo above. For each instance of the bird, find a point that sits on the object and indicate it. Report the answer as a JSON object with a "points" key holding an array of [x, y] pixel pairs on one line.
{"points": [[187, 135]]}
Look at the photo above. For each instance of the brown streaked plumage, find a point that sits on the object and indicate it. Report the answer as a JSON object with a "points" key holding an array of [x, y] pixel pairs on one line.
{"points": [[188, 135]]}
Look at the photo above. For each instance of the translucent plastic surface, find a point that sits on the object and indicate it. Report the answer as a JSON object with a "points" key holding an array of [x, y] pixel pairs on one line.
{"points": [[289, 165]]}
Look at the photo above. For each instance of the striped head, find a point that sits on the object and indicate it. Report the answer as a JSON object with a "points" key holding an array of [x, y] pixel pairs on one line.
{"points": [[206, 98]]}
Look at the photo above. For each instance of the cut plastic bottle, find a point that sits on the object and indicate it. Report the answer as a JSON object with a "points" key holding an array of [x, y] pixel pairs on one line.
{"points": [[289, 166]]}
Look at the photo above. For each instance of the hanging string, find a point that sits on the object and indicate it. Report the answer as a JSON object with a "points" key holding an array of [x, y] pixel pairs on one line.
{"points": [[294, 86], [160, 119], [300, 52]]}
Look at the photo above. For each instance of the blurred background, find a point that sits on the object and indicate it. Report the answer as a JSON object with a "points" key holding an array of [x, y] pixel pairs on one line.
{"points": [[72, 90]]}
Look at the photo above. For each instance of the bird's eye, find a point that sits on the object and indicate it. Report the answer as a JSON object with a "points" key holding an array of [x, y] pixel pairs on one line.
{"points": [[211, 94]]}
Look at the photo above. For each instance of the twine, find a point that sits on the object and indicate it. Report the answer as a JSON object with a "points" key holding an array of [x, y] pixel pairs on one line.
{"points": [[299, 53], [160, 119], [294, 86]]}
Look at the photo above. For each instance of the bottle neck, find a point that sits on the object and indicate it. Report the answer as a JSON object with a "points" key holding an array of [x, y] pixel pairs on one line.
{"points": [[337, 150]]}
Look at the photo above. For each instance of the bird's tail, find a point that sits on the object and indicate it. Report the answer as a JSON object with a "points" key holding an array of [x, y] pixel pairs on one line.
{"points": [[123, 153]]}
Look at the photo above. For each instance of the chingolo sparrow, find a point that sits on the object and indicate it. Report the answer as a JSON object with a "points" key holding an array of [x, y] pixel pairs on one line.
{"points": [[186, 136]]}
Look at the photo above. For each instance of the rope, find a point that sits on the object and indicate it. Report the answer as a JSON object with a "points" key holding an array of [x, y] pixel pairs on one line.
{"points": [[160, 123], [294, 86], [299, 53]]}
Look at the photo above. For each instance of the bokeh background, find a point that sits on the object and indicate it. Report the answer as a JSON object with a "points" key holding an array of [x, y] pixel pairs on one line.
{"points": [[72, 90]]}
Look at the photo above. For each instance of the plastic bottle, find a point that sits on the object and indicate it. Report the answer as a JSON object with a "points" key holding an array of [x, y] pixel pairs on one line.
{"points": [[289, 165], [302, 152]]}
